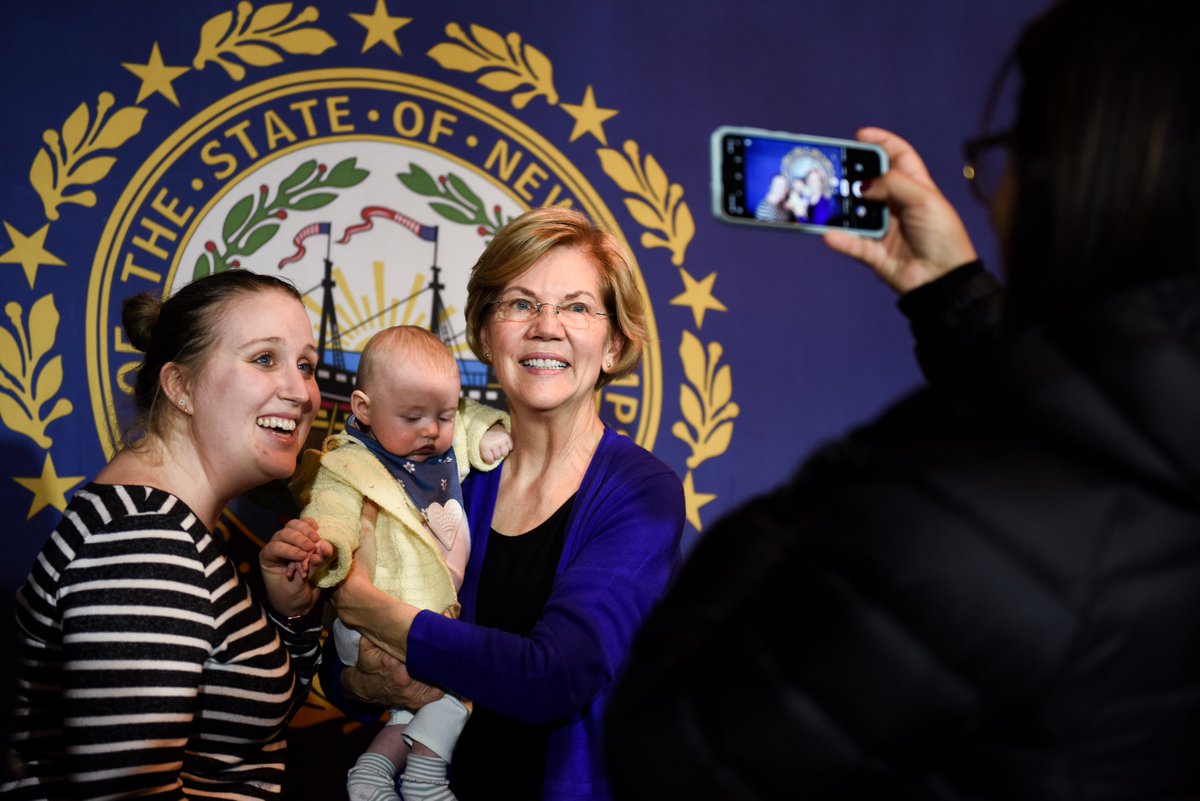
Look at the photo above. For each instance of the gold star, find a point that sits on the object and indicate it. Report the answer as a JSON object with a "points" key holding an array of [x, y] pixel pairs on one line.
{"points": [[380, 27], [30, 251], [48, 489], [156, 77], [588, 117], [693, 501], [698, 295]]}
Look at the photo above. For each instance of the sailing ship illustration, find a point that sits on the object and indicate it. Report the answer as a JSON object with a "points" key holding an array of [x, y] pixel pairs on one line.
{"points": [[334, 377]]}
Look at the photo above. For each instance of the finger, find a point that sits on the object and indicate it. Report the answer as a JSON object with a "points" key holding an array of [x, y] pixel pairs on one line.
{"points": [[292, 538], [279, 551], [305, 527], [902, 156], [900, 191], [366, 650], [868, 251]]}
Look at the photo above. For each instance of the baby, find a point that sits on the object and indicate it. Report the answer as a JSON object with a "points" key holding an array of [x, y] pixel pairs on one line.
{"points": [[397, 469]]}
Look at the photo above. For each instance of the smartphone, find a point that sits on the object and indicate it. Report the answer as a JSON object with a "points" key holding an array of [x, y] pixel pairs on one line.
{"points": [[796, 182]]}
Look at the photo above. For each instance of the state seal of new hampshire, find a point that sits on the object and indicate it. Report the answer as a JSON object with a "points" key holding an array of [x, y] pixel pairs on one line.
{"points": [[299, 146], [372, 183], [373, 191]]}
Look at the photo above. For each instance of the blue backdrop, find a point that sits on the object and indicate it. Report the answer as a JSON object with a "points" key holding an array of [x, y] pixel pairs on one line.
{"points": [[147, 143]]}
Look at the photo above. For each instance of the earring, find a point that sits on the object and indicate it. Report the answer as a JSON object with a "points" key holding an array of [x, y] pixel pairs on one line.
{"points": [[487, 354], [608, 365], [182, 402]]}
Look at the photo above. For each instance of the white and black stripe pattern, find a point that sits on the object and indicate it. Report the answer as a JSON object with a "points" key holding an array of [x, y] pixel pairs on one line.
{"points": [[146, 667]]}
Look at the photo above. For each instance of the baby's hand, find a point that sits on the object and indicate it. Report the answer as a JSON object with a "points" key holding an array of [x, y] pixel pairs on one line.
{"points": [[295, 549], [285, 561], [297, 568], [495, 444]]}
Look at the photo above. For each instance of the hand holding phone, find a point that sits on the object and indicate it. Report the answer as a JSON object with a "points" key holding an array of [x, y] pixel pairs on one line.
{"points": [[796, 182], [926, 239]]}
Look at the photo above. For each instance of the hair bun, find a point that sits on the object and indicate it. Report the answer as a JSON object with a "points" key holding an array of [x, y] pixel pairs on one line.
{"points": [[139, 314]]}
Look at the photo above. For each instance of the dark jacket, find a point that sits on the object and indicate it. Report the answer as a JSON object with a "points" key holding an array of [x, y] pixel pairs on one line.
{"points": [[992, 592]]}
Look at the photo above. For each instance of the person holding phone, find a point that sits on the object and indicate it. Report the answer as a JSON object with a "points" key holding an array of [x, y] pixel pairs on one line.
{"points": [[989, 592]]}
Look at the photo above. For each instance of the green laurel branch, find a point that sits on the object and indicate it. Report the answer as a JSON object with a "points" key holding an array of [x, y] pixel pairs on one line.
{"points": [[251, 223], [456, 201]]}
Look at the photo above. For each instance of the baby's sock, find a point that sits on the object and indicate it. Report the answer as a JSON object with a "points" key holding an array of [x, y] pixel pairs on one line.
{"points": [[373, 778], [424, 779]]}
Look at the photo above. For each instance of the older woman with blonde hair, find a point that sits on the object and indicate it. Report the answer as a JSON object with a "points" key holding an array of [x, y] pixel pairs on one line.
{"points": [[575, 535]]}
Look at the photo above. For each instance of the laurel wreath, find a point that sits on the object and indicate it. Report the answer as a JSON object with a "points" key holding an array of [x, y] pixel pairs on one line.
{"points": [[258, 38], [659, 203], [250, 224], [69, 159], [506, 63], [23, 374], [707, 404], [457, 201], [76, 158]]}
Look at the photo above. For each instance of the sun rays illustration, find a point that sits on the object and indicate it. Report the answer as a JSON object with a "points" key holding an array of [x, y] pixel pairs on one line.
{"points": [[364, 314]]}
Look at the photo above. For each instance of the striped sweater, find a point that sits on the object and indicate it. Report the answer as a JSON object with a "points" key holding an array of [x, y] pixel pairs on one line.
{"points": [[147, 669]]}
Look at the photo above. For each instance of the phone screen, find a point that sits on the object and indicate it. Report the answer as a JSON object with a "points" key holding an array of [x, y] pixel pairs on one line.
{"points": [[794, 181]]}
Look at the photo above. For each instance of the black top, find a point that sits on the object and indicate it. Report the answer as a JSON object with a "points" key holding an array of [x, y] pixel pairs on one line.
{"points": [[989, 593], [496, 757]]}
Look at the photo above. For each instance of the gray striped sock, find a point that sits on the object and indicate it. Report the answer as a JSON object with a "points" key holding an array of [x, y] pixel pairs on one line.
{"points": [[424, 779], [372, 779]]}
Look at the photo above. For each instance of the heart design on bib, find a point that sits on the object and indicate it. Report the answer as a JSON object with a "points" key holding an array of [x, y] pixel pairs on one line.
{"points": [[444, 521]]}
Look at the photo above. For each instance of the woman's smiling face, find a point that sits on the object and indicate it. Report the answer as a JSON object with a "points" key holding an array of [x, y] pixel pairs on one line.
{"points": [[255, 397], [542, 364]]}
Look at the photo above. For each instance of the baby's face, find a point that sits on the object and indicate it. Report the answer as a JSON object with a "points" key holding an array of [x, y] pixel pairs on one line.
{"points": [[412, 412]]}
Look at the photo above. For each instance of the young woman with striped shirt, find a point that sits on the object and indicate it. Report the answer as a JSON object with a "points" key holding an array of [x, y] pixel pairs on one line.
{"points": [[146, 667]]}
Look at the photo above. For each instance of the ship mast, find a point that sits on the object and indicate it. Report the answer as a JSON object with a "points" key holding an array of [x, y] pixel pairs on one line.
{"points": [[329, 325]]}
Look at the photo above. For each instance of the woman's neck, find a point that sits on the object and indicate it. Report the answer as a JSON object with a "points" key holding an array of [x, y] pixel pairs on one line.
{"points": [[544, 442], [548, 461], [172, 467]]}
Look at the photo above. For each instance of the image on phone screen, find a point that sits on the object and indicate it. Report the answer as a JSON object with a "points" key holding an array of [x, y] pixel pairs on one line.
{"points": [[795, 181]]}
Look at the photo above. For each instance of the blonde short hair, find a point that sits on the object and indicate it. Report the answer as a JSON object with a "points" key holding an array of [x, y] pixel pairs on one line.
{"points": [[529, 237], [415, 346]]}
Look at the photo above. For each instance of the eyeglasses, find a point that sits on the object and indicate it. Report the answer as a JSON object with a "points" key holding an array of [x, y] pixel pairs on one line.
{"points": [[986, 160], [574, 314]]}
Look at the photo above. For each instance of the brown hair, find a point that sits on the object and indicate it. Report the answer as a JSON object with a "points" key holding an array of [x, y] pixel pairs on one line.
{"points": [[1104, 154], [529, 237], [182, 330]]}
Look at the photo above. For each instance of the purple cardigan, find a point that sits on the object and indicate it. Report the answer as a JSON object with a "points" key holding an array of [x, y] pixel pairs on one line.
{"points": [[621, 548]]}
